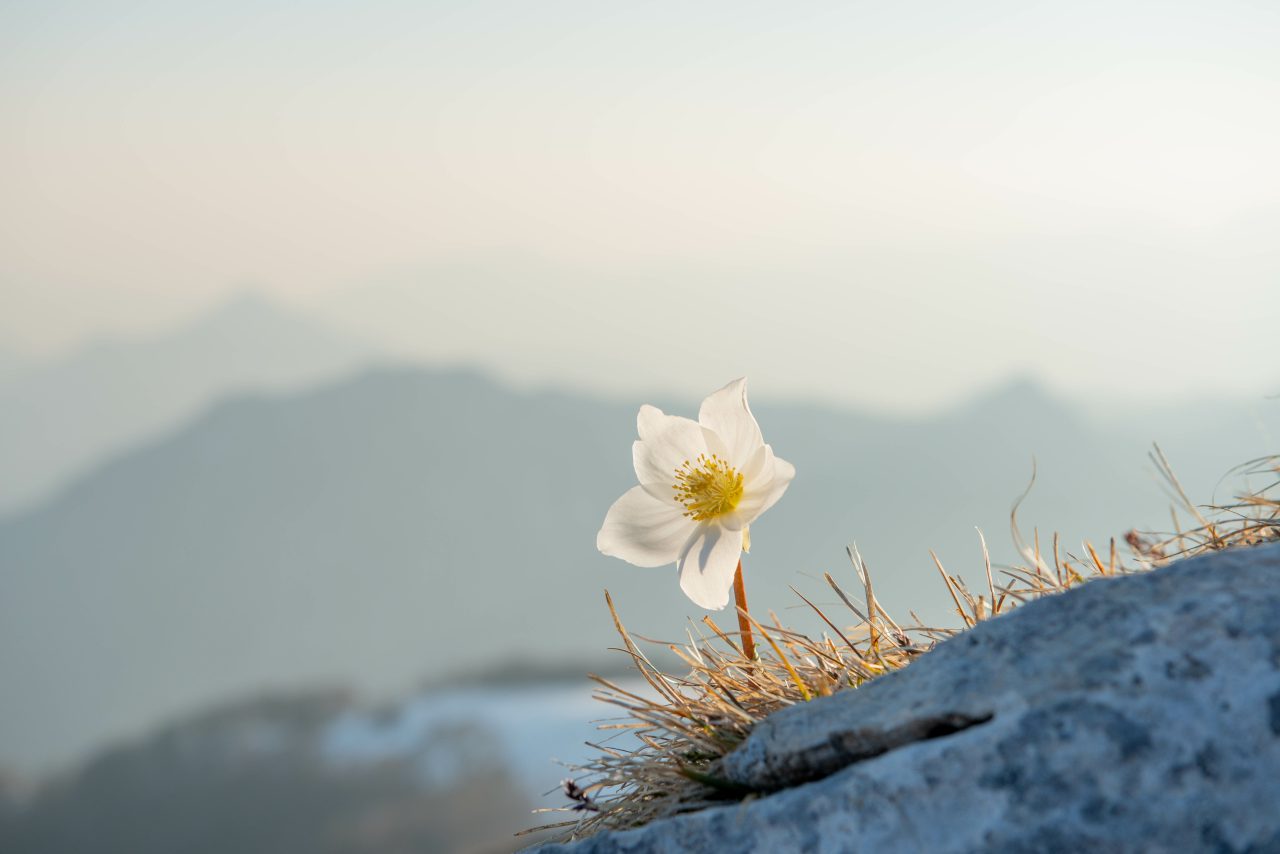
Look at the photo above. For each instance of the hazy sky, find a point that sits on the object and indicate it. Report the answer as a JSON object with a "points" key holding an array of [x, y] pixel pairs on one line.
{"points": [[893, 203]]}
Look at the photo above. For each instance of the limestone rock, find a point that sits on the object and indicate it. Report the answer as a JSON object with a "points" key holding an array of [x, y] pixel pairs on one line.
{"points": [[1139, 713]]}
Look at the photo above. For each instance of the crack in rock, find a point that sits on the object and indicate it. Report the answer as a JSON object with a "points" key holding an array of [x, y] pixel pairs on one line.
{"points": [[859, 744], [849, 747]]}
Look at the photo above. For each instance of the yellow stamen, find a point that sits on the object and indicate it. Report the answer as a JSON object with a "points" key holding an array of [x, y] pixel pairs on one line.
{"points": [[707, 487]]}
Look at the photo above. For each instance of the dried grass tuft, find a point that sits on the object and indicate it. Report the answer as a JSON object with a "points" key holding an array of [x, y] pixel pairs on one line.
{"points": [[694, 719]]}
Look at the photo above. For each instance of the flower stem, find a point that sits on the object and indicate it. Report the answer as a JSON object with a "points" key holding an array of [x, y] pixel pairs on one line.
{"points": [[744, 625]]}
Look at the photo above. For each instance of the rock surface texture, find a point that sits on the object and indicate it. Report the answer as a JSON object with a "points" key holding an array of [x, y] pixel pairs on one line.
{"points": [[1139, 713]]}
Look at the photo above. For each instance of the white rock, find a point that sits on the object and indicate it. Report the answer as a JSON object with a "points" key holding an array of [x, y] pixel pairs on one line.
{"points": [[1139, 713]]}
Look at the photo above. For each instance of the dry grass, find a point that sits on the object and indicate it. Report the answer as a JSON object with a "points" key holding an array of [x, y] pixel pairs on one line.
{"points": [[689, 721]]}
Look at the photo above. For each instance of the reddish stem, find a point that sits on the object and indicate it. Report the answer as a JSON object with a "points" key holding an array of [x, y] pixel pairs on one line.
{"points": [[744, 625]]}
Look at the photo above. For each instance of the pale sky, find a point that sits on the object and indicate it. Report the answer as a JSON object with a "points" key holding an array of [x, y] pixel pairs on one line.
{"points": [[893, 204]]}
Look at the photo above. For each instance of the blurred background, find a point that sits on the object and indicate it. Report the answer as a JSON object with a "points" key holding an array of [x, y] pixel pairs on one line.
{"points": [[323, 328]]}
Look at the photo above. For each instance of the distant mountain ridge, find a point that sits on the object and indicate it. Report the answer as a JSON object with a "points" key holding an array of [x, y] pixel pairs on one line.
{"points": [[259, 776], [58, 417], [408, 523]]}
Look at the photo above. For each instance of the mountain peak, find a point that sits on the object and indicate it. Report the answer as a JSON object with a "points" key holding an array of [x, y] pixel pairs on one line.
{"points": [[70, 412], [1016, 391], [246, 307]]}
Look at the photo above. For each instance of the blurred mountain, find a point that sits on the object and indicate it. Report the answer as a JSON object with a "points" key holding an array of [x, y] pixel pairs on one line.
{"points": [[259, 776], [1243, 428], [59, 416], [409, 523]]}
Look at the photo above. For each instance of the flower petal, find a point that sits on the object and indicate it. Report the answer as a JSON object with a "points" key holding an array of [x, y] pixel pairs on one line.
{"points": [[726, 412], [642, 530], [733, 521], [650, 421], [759, 468], [764, 492], [708, 563], [657, 456]]}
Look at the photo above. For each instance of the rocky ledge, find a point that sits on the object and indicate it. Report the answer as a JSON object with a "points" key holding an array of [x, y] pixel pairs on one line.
{"points": [[1139, 713]]}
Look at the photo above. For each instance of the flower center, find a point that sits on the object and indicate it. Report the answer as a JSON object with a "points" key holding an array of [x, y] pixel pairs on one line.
{"points": [[707, 487]]}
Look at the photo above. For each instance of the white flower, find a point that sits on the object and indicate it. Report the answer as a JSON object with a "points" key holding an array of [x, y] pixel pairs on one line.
{"points": [[702, 483]]}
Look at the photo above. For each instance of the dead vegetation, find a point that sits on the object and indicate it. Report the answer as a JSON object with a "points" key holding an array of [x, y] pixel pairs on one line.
{"points": [[684, 723]]}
